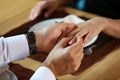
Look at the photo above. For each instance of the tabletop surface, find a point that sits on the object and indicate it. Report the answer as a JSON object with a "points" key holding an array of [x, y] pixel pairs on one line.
{"points": [[103, 64]]}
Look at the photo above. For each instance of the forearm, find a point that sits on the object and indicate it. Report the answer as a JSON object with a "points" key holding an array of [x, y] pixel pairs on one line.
{"points": [[113, 28]]}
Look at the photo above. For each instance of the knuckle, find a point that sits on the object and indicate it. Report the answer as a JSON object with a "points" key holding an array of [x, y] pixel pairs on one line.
{"points": [[74, 66], [77, 35]]}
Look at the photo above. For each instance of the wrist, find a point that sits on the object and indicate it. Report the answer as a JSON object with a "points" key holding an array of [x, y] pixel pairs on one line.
{"points": [[106, 25], [102, 22], [31, 42], [51, 67], [39, 42]]}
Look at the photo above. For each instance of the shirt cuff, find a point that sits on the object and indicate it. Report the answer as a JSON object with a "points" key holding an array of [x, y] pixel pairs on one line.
{"points": [[17, 47], [43, 73]]}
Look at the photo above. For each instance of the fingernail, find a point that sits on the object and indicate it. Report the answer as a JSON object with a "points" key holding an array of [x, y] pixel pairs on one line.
{"points": [[30, 17], [35, 15], [70, 43], [83, 44]]}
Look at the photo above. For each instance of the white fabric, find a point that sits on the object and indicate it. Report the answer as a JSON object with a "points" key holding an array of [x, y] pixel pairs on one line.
{"points": [[17, 47], [14, 48], [43, 73]]}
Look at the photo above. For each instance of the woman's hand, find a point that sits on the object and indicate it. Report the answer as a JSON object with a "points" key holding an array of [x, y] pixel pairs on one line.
{"points": [[87, 30], [49, 6]]}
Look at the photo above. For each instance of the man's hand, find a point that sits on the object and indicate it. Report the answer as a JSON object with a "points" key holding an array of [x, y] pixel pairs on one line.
{"points": [[64, 59], [47, 37]]}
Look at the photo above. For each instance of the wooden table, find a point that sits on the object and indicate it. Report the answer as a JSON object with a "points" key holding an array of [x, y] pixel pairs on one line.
{"points": [[103, 64]]}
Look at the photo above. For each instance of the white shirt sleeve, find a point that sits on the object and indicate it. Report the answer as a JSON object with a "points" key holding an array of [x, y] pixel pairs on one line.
{"points": [[43, 73], [13, 48], [16, 47]]}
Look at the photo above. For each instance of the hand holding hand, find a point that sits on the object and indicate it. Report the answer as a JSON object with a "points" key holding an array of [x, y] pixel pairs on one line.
{"points": [[64, 59], [47, 37], [87, 30]]}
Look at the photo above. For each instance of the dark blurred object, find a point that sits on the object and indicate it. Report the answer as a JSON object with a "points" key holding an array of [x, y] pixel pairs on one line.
{"points": [[107, 8], [89, 50]]}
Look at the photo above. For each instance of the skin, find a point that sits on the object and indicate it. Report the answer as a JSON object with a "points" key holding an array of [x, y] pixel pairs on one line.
{"points": [[113, 28], [65, 55], [47, 37], [94, 26], [69, 57], [48, 5], [88, 29]]}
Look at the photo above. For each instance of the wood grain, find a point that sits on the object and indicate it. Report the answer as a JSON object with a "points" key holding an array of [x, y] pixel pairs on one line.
{"points": [[14, 13], [106, 69], [103, 64]]}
